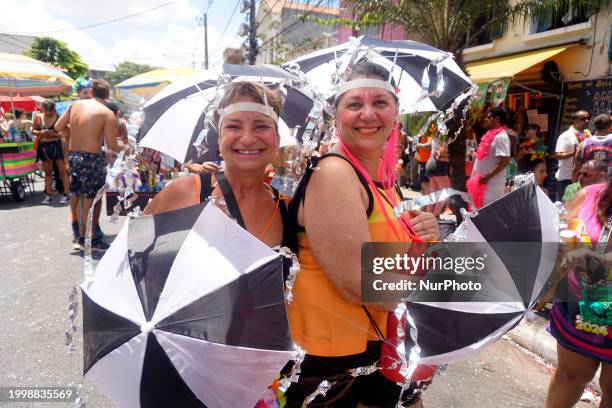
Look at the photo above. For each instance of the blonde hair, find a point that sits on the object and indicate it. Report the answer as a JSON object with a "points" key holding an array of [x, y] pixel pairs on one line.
{"points": [[259, 92]]}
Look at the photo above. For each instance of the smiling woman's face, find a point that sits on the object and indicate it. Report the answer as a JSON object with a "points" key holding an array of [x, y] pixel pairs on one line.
{"points": [[365, 117], [249, 140]]}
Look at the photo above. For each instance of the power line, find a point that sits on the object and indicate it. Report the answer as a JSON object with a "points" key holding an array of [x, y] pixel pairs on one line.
{"points": [[17, 39], [98, 24], [269, 11], [227, 26], [13, 44]]}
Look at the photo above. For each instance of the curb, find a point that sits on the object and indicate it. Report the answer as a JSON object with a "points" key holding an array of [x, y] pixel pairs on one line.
{"points": [[532, 335]]}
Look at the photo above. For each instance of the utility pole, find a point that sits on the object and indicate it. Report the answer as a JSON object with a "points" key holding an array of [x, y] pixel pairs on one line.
{"points": [[205, 42], [253, 51]]}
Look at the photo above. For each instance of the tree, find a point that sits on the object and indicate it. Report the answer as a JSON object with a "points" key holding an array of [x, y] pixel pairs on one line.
{"points": [[453, 25], [56, 52], [126, 70]]}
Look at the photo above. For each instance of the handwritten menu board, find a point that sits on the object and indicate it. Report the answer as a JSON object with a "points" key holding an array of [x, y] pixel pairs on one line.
{"points": [[593, 96]]}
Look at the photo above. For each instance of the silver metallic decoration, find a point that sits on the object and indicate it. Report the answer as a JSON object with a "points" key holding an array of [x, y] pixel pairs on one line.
{"points": [[293, 271], [322, 390], [297, 357], [79, 402], [435, 197], [367, 370], [73, 307]]}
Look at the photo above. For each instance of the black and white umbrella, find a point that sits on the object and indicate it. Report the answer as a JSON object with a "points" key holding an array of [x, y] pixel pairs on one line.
{"points": [[428, 79], [517, 236], [186, 309], [174, 118]]}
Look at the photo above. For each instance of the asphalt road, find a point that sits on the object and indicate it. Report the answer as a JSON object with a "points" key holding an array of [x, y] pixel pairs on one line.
{"points": [[38, 269]]}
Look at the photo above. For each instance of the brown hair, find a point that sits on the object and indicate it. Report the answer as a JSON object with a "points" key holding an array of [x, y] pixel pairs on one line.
{"points": [[100, 89], [237, 90]]}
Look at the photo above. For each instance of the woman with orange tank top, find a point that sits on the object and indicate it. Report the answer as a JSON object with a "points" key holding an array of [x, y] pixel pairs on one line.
{"points": [[348, 201]]}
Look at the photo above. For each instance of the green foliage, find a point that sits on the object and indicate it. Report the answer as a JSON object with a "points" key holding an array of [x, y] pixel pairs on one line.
{"points": [[453, 25], [126, 70], [57, 53]]}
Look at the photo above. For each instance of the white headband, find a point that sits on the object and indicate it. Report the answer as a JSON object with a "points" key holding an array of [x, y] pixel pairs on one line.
{"points": [[365, 83], [247, 107]]}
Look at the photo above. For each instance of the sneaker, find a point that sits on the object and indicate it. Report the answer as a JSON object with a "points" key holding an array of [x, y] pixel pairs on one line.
{"points": [[65, 199], [78, 244], [98, 244], [47, 199]]}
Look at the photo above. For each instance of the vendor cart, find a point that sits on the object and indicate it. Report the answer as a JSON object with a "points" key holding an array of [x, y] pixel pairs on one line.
{"points": [[17, 167]]}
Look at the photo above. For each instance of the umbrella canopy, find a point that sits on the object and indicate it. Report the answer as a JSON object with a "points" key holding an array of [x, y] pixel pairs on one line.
{"points": [[186, 309], [174, 118], [25, 76], [133, 90], [26, 103], [413, 66], [518, 235]]}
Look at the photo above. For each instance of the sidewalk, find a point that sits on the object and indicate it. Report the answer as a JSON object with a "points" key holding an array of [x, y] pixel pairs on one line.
{"points": [[532, 335]]}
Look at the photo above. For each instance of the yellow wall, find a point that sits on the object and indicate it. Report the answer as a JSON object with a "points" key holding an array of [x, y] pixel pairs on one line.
{"points": [[574, 63]]}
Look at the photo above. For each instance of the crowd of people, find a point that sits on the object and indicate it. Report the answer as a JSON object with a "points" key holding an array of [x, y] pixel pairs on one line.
{"points": [[74, 150]]}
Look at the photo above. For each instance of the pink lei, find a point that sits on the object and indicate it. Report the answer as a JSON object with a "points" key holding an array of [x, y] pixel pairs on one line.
{"points": [[474, 186]]}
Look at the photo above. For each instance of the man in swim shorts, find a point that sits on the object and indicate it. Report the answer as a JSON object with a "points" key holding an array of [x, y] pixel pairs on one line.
{"points": [[89, 121]]}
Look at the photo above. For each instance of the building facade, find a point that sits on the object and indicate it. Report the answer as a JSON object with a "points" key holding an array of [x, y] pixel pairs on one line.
{"points": [[287, 30]]}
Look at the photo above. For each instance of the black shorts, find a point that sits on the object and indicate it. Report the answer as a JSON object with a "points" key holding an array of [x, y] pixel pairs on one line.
{"points": [[347, 391], [51, 150], [423, 177], [436, 168], [87, 173]]}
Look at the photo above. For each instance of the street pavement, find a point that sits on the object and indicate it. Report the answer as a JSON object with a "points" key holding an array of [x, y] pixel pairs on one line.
{"points": [[39, 269]]}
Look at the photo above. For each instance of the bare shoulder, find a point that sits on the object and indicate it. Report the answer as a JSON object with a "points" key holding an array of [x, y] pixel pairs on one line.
{"points": [[336, 180], [336, 169], [180, 193]]}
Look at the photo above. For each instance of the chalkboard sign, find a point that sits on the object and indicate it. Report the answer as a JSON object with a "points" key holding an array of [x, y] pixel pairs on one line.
{"points": [[593, 96]]}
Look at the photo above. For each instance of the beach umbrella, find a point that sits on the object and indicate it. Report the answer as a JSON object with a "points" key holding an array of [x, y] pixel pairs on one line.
{"points": [[174, 118], [427, 78], [517, 239], [186, 309], [26, 103], [25, 76], [143, 86]]}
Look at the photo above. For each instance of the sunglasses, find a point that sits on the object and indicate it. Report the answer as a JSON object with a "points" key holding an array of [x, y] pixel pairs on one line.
{"points": [[585, 118]]}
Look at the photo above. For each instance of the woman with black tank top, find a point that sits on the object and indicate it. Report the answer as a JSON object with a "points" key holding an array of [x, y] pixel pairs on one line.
{"points": [[50, 149], [247, 119]]}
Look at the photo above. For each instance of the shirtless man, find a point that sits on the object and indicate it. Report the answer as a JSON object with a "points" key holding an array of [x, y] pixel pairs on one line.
{"points": [[89, 121]]}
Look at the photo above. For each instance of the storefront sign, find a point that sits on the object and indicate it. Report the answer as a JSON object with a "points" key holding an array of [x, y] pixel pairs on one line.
{"points": [[500, 90]]}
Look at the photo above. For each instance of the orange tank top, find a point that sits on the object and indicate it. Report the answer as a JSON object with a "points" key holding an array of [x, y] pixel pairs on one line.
{"points": [[322, 322], [424, 152]]}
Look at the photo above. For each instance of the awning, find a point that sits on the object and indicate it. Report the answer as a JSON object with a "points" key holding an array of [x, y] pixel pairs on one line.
{"points": [[506, 67]]}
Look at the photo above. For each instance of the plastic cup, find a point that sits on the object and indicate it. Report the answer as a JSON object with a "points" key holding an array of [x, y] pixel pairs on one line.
{"points": [[568, 235]]}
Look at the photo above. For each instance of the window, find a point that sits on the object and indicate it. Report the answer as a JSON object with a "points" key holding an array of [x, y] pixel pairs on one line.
{"points": [[552, 19]]}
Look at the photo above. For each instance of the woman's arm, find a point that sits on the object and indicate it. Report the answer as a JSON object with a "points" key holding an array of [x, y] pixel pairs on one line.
{"points": [[37, 129], [179, 193]]}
